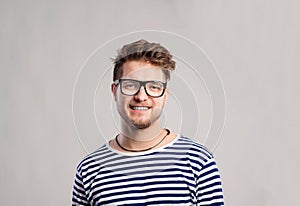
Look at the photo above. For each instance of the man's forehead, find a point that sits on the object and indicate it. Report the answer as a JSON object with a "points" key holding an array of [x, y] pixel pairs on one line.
{"points": [[146, 71]]}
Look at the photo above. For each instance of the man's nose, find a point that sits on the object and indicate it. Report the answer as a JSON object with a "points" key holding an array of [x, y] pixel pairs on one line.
{"points": [[141, 95]]}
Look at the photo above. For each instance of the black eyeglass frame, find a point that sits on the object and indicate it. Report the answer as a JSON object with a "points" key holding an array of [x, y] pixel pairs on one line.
{"points": [[142, 83]]}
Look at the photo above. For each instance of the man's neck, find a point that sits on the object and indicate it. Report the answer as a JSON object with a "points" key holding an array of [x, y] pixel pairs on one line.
{"points": [[137, 135], [136, 139]]}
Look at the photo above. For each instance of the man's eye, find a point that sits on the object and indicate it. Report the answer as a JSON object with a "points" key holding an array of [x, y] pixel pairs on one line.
{"points": [[129, 86], [155, 87]]}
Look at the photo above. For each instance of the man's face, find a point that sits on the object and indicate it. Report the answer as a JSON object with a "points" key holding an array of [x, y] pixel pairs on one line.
{"points": [[140, 110]]}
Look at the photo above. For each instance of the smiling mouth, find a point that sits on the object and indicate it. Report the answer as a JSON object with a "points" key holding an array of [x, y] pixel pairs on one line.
{"points": [[140, 108]]}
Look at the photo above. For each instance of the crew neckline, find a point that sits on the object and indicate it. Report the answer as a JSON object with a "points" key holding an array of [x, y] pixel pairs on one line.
{"points": [[142, 153]]}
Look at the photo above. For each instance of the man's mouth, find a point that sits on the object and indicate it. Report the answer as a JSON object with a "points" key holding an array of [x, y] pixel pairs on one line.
{"points": [[139, 108]]}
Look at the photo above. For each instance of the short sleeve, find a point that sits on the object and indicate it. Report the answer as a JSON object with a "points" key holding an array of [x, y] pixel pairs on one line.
{"points": [[79, 196], [209, 187]]}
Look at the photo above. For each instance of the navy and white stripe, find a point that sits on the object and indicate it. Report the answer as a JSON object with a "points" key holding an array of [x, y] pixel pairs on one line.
{"points": [[181, 173]]}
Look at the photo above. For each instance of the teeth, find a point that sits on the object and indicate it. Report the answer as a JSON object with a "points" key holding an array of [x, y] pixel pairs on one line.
{"points": [[140, 108]]}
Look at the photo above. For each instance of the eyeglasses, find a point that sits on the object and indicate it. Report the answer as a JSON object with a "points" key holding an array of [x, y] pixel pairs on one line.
{"points": [[132, 87]]}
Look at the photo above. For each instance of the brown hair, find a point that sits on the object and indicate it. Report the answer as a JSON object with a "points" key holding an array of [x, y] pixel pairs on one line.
{"points": [[143, 50]]}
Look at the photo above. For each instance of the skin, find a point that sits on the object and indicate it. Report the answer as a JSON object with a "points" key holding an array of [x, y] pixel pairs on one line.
{"points": [[140, 129]]}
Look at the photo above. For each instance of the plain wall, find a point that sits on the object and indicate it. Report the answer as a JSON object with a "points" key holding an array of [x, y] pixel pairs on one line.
{"points": [[253, 44]]}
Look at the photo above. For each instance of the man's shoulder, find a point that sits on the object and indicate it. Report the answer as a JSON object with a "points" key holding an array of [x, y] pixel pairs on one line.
{"points": [[94, 157], [195, 148]]}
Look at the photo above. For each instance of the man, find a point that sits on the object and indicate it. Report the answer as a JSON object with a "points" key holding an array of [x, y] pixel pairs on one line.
{"points": [[146, 164]]}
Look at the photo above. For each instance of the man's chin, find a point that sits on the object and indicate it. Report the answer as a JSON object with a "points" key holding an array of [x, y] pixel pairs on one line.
{"points": [[141, 125]]}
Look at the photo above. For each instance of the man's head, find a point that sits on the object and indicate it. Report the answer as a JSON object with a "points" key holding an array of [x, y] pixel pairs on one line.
{"points": [[140, 77], [142, 50]]}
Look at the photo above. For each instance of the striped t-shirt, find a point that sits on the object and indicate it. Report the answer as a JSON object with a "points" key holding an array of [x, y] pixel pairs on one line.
{"points": [[182, 172]]}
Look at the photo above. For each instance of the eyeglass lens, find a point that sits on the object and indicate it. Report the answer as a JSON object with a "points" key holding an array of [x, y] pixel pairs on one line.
{"points": [[132, 87]]}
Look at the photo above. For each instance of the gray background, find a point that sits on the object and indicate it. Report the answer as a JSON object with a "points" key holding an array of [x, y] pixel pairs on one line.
{"points": [[254, 44]]}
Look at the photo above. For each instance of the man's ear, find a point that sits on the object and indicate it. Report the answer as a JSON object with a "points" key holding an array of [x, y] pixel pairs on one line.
{"points": [[113, 88], [166, 94]]}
